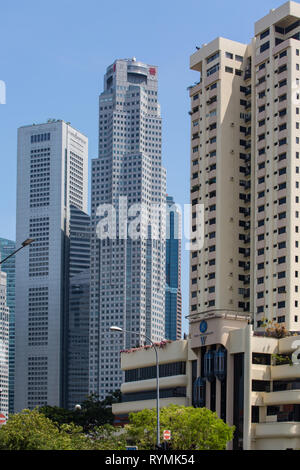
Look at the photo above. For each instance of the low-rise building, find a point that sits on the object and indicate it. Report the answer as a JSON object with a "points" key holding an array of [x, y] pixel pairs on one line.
{"points": [[248, 379]]}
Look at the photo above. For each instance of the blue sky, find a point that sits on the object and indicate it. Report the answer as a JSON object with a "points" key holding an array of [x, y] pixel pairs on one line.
{"points": [[54, 54]]}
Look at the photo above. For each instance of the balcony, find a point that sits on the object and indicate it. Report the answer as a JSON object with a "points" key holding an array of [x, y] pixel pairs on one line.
{"points": [[285, 372], [248, 117], [247, 294], [247, 74], [134, 406], [247, 267], [277, 430], [286, 397]]}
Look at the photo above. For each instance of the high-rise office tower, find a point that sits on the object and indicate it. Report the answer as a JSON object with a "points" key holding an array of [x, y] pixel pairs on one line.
{"points": [[4, 346], [6, 248], [173, 302], [78, 311], [127, 271], [245, 170], [52, 176]]}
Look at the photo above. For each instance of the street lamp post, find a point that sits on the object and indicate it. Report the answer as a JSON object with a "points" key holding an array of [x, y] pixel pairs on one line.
{"points": [[117, 328], [24, 244]]}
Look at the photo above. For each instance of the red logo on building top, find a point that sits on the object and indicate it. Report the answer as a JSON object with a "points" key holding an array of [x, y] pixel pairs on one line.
{"points": [[152, 71], [114, 67]]}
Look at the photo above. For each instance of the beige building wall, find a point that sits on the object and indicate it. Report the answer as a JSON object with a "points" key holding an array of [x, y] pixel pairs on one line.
{"points": [[220, 271], [245, 169], [276, 177]]}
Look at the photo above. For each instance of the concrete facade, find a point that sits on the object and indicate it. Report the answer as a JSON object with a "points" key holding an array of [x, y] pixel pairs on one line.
{"points": [[261, 399], [245, 170]]}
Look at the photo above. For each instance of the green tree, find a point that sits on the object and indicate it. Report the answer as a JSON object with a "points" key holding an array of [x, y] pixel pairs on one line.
{"points": [[93, 412], [191, 428], [31, 430], [108, 437]]}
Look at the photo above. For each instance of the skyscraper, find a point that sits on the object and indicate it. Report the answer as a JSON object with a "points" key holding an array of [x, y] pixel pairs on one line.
{"points": [[4, 345], [52, 176], [245, 170], [173, 305], [6, 248], [78, 311], [127, 271]]}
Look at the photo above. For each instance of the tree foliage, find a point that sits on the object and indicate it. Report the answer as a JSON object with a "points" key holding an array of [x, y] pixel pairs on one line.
{"points": [[191, 428], [93, 412], [31, 430]]}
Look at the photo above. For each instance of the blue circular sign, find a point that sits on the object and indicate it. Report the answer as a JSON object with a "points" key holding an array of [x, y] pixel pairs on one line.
{"points": [[203, 326]]}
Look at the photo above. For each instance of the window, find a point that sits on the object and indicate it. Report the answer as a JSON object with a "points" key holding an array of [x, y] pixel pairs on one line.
{"points": [[265, 34], [281, 157], [229, 69], [264, 46], [239, 58], [213, 70], [282, 83], [229, 55], [281, 275], [282, 171], [212, 58], [282, 142]]}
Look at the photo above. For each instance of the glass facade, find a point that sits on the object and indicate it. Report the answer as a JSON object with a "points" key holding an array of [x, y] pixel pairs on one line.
{"points": [[173, 272], [165, 370], [78, 308], [151, 394]]}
